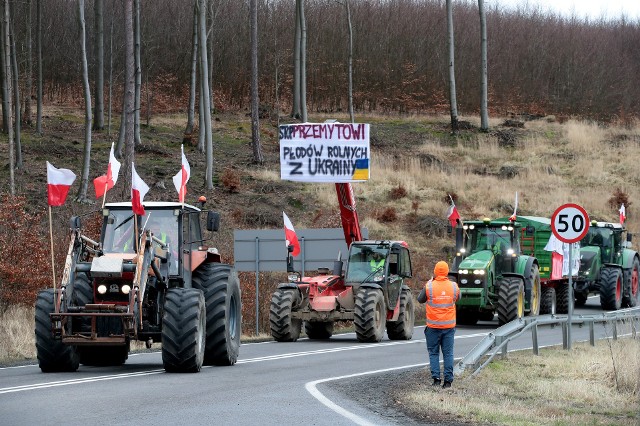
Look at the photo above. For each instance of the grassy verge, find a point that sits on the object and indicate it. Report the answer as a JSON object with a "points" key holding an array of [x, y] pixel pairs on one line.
{"points": [[585, 386]]}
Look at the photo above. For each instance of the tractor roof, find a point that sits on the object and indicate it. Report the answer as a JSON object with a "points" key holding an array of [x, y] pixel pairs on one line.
{"points": [[383, 242], [607, 225], [157, 205]]}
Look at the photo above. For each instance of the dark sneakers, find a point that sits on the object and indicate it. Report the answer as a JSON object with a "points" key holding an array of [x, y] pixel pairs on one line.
{"points": [[436, 382], [446, 385]]}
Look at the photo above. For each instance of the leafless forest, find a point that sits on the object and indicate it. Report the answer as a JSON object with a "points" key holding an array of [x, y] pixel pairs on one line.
{"points": [[536, 63]]}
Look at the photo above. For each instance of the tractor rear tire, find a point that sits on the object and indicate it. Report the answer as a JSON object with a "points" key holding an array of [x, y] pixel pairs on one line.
{"points": [[103, 356], [370, 315], [53, 355], [548, 301], [403, 328], [221, 288], [581, 298], [562, 298], [284, 328], [532, 282], [318, 330], [183, 330], [631, 280], [467, 317], [510, 300], [611, 282]]}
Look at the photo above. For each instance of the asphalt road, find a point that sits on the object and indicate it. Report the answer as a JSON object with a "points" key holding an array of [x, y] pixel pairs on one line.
{"points": [[305, 382]]}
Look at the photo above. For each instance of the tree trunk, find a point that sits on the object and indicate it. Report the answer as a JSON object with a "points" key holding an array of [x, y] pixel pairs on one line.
{"points": [[129, 95], [295, 110], [99, 47], [303, 64], [255, 99], [6, 108], [29, 78], [39, 53], [194, 71], [212, 13], [8, 83], [110, 77], [484, 101], [350, 61], [138, 68], [16, 96], [452, 74], [84, 182], [204, 87]]}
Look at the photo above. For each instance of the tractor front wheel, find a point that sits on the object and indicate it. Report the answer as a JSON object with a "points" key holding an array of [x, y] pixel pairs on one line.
{"points": [[533, 290], [318, 330], [183, 330], [630, 298], [403, 328], [284, 328], [369, 315], [221, 288], [53, 355], [510, 300], [611, 289]]}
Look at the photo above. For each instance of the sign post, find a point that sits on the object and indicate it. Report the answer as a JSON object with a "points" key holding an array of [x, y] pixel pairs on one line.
{"points": [[570, 224]]}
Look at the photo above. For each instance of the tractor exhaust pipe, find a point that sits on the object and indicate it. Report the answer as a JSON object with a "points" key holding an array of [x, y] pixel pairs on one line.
{"points": [[337, 265]]}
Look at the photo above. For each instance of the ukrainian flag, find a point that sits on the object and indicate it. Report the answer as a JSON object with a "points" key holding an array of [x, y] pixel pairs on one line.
{"points": [[361, 171]]}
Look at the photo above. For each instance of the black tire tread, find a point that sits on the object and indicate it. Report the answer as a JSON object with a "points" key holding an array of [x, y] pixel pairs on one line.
{"points": [[283, 327], [608, 283], [368, 300], [547, 300], [403, 328], [180, 322], [508, 292], [562, 298], [53, 355]]}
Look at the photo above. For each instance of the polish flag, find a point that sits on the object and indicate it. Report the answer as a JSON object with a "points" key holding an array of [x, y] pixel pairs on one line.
{"points": [[59, 182], [138, 190], [103, 183], [180, 180], [290, 235], [623, 214], [453, 214], [515, 209]]}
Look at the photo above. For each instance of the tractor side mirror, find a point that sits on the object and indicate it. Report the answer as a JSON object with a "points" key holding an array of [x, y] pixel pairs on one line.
{"points": [[75, 223], [213, 221], [629, 236]]}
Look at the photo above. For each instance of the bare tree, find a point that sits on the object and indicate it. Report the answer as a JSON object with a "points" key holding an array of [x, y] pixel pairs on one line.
{"points": [[16, 95], [84, 181], [98, 8], [452, 75], [110, 76], [138, 68], [39, 53], [484, 108], [350, 60], [128, 112], [303, 64], [6, 93], [29, 77], [255, 99], [8, 83], [204, 92], [295, 109], [188, 131]]}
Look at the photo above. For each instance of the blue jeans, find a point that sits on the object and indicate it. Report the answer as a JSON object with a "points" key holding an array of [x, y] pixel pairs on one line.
{"points": [[440, 338]]}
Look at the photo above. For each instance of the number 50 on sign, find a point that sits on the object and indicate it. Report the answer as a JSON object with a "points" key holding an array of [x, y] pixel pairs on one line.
{"points": [[570, 223]]}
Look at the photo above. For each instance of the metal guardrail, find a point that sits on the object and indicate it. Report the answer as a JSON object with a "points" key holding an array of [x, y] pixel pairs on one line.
{"points": [[498, 340]]}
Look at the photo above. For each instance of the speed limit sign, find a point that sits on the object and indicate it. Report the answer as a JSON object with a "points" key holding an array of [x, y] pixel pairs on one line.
{"points": [[570, 223]]}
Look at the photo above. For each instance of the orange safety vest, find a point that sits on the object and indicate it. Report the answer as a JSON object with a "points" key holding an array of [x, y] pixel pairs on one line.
{"points": [[441, 303]]}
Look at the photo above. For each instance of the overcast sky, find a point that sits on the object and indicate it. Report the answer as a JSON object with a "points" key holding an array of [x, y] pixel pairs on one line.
{"points": [[593, 9]]}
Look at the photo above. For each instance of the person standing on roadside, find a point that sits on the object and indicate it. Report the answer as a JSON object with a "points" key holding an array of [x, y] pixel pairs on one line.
{"points": [[440, 295]]}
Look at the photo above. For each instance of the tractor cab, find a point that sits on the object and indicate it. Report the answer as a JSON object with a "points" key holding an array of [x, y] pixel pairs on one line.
{"points": [[607, 238]]}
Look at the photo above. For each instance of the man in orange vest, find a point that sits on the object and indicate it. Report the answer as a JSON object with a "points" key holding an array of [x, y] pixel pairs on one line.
{"points": [[441, 295]]}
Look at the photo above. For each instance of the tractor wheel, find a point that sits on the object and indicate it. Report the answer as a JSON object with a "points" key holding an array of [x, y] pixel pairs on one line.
{"points": [[510, 300], [102, 356], [611, 288], [53, 355], [581, 298], [486, 315], [562, 298], [318, 330], [548, 301], [283, 327], [183, 330], [369, 316], [533, 294], [467, 317], [221, 287], [82, 292], [630, 298], [403, 328]]}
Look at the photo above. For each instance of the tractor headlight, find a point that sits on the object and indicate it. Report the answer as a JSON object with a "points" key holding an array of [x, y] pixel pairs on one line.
{"points": [[293, 278], [463, 250], [102, 289], [465, 227], [477, 282], [478, 272], [125, 289], [463, 281], [510, 252], [464, 271], [472, 227], [504, 227]]}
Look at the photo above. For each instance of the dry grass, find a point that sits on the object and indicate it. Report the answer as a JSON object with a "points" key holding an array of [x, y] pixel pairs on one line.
{"points": [[17, 340], [594, 386]]}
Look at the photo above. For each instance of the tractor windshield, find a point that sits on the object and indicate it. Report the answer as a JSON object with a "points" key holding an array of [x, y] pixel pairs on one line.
{"points": [[366, 263], [607, 239], [119, 229], [491, 238]]}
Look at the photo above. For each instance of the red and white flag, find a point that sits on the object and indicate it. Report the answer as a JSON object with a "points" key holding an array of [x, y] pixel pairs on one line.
{"points": [[453, 214], [515, 210], [180, 180], [623, 214], [103, 183], [59, 182], [290, 235], [138, 190]]}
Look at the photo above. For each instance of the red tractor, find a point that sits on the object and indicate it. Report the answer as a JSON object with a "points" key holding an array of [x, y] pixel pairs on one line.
{"points": [[372, 292]]}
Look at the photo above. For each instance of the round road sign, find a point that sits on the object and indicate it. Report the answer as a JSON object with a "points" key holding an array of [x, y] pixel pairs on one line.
{"points": [[570, 223]]}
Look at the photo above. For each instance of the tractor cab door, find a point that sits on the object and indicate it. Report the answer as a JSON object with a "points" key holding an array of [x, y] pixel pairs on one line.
{"points": [[399, 267]]}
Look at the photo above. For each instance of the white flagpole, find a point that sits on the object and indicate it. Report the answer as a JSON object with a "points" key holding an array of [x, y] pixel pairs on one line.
{"points": [[53, 264]]}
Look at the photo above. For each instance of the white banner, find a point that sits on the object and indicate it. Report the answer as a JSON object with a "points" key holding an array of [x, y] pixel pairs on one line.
{"points": [[328, 152]]}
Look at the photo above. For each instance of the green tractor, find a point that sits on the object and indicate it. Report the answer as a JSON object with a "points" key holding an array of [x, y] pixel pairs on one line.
{"points": [[608, 267], [492, 274]]}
